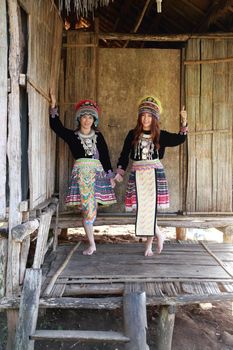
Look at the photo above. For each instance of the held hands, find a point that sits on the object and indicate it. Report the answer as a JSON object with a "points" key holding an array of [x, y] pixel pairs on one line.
{"points": [[118, 178], [113, 183], [183, 115]]}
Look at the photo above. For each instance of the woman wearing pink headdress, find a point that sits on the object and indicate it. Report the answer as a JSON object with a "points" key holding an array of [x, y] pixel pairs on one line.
{"points": [[92, 177], [147, 189]]}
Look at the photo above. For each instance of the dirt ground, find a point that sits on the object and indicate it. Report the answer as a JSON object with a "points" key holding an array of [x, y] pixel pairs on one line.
{"points": [[197, 327]]}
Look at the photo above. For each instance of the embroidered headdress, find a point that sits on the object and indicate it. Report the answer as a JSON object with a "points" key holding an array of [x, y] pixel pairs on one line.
{"points": [[150, 105], [87, 107]]}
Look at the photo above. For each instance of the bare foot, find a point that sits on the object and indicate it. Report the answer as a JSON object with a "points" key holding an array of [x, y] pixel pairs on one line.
{"points": [[160, 240], [148, 247], [90, 250], [148, 251]]}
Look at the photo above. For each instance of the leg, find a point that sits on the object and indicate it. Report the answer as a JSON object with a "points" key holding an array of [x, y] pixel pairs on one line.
{"points": [[90, 235], [160, 239], [148, 247]]}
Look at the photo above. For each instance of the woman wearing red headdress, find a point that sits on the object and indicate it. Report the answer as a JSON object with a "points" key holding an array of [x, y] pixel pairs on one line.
{"points": [[92, 177], [147, 188]]}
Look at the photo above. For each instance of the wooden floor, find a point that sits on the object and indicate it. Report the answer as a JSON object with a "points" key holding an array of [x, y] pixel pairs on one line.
{"points": [[186, 272]]}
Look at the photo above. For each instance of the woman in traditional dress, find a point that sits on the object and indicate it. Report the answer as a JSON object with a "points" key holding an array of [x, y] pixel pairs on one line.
{"points": [[147, 189], [92, 177]]}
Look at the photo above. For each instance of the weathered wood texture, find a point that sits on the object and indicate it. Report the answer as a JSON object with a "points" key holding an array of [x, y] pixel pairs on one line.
{"points": [[3, 105], [125, 77], [209, 105], [44, 48], [114, 73], [28, 312], [80, 83], [165, 327], [135, 320], [3, 261]]}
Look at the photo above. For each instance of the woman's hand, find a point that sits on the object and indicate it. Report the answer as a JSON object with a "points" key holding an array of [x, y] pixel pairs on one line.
{"points": [[53, 98], [183, 115], [113, 183], [118, 178]]}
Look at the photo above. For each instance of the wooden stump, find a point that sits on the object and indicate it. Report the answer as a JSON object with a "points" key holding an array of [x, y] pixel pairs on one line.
{"points": [[227, 233], [181, 233], [165, 327], [135, 320]]}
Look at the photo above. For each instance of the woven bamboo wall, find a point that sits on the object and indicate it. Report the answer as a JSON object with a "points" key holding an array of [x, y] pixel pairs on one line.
{"points": [[125, 76], [209, 102], [119, 78], [44, 47]]}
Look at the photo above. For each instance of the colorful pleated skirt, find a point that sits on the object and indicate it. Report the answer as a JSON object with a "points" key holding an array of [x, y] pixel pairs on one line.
{"points": [[89, 186], [147, 192]]}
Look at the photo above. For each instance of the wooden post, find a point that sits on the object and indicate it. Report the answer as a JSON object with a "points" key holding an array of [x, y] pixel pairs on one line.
{"points": [[28, 310], [3, 105], [135, 320], [227, 233], [181, 233], [3, 260], [165, 327]]}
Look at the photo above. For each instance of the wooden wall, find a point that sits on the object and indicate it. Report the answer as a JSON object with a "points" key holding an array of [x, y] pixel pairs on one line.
{"points": [[44, 53], [3, 105], [125, 77], [209, 101]]}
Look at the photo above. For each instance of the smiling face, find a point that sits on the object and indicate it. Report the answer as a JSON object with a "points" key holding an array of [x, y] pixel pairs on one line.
{"points": [[146, 120], [86, 122]]}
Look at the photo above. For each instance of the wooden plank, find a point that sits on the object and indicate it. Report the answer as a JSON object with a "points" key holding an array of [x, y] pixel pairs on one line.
{"points": [[84, 336], [23, 259], [28, 312], [3, 259], [42, 238], [3, 105]]}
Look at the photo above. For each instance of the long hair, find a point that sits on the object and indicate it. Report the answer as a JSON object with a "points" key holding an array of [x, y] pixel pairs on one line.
{"points": [[155, 131]]}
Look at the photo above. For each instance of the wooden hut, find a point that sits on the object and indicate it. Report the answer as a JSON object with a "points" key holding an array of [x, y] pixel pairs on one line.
{"points": [[114, 52]]}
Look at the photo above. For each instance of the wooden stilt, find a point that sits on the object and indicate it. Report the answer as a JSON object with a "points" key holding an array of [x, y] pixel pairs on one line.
{"points": [[181, 233], [165, 327], [28, 311], [227, 233], [135, 320]]}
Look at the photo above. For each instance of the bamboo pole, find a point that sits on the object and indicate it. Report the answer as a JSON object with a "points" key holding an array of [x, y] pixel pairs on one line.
{"points": [[209, 61], [139, 20], [59, 271]]}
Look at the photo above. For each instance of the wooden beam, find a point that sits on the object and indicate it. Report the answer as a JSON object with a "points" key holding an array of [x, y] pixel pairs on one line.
{"points": [[3, 105], [168, 37], [209, 61], [139, 20], [20, 232]]}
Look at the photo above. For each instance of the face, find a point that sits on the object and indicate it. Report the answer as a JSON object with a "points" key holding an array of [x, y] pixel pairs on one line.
{"points": [[86, 122], [146, 119]]}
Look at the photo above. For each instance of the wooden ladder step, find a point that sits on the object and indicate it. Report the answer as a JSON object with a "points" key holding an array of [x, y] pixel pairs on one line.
{"points": [[107, 336]]}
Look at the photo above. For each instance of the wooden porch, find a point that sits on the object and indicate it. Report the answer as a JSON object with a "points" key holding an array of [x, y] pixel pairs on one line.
{"points": [[119, 276]]}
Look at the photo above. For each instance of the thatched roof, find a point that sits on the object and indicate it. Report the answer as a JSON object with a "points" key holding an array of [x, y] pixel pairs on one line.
{"points": [[141, 16]]}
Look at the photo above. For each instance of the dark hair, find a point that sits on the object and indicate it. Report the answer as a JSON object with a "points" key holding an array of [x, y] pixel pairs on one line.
{"points": [[155, 131]]}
